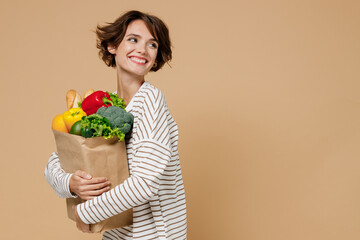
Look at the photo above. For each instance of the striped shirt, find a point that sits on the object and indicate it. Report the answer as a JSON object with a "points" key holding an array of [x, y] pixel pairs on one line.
{"points": [[155, 187]]}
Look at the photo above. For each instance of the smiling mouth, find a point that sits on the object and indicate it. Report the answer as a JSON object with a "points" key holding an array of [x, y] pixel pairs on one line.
{"points": [[138, 60]]}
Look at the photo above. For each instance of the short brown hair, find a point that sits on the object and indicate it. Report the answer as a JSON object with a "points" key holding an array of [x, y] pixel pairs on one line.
{"points": [[112, 34]]}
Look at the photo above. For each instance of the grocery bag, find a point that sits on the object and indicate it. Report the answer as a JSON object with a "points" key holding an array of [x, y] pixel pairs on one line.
{"points": [[99, 157]]}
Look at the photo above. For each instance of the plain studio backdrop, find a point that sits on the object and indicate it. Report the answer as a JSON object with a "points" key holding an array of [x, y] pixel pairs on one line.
{"points": [[265, 94]]}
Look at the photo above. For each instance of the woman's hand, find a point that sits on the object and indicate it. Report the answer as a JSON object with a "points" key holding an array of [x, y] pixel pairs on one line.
{"points": [[86, 187], [80, 224]]}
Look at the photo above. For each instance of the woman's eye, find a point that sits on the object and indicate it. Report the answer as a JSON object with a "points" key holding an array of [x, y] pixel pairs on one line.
{"points": [[132, 39], [153, 45]]}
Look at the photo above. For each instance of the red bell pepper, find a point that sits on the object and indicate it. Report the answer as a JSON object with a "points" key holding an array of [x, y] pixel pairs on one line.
{"points": [[95, 101]]}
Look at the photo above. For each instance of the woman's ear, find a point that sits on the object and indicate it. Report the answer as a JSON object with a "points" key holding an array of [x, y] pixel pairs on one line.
{"points": [[111, 49]]}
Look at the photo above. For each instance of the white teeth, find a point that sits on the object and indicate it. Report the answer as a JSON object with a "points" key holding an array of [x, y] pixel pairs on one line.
{"points": [[138, 60]]}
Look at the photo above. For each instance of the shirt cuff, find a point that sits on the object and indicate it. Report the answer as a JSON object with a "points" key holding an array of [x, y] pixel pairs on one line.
{"points": [[67, 186]]}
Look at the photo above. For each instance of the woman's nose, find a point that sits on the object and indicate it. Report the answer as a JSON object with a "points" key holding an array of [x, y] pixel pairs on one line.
{"points": [[141, 48]]}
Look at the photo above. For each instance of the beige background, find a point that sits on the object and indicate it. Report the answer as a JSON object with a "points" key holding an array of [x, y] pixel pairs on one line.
{"points": [[265, 93]]}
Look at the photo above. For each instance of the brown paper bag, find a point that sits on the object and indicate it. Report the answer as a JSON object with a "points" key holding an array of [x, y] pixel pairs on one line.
{"points": [[101, 158]]}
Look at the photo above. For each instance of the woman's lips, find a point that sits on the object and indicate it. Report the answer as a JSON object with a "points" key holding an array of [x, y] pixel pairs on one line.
{"points": [[138, 60]]}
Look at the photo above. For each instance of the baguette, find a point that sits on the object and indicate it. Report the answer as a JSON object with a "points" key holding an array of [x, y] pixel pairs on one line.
{"points": [[77, 100], [72, 99], [88, 92]]}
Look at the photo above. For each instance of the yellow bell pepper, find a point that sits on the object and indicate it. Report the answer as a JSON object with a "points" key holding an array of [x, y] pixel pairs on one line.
{"points": [[72, 116]]}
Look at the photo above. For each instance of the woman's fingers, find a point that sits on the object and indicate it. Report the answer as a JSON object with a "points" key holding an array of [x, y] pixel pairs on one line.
{"points": [[96, 193], [97, 186], [83, 174], [96, 180], [91, 194], [96, 190], [89, 191]]}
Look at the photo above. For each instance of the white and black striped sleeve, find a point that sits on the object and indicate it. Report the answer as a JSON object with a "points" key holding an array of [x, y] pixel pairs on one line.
{"points": [[58, 178]]}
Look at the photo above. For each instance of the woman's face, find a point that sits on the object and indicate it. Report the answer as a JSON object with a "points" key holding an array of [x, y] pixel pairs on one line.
{"points": [[136, 54]]}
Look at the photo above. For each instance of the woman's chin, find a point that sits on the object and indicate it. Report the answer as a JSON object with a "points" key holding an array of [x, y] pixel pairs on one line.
{"points": [[135, 72], [140, 72]]}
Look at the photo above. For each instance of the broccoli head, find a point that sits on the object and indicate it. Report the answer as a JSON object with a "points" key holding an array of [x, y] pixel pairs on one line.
{"points": [[118, 118]]}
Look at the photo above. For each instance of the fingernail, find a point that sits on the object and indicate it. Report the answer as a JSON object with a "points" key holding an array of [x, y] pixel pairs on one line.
{"points": [[88, 176]]}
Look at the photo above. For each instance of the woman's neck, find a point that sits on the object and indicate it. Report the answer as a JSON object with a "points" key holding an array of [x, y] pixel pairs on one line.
{"points": [[128, 85]]}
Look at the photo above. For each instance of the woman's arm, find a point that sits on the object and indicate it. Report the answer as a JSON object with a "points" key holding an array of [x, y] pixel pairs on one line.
{"points": [[58, 178], [68, 185]]}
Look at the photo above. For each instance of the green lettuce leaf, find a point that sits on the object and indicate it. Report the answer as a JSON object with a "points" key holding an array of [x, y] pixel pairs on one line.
{"points": [[118, 102]]}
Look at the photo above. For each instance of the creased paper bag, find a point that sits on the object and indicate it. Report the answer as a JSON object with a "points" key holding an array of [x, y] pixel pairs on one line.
{"points": [[101, 158]]}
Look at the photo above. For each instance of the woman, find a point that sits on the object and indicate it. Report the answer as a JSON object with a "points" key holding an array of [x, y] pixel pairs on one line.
{"points": [[134, 44]]}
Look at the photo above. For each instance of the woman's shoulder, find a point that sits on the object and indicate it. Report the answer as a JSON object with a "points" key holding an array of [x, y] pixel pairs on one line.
{"points": [[153, 94]]}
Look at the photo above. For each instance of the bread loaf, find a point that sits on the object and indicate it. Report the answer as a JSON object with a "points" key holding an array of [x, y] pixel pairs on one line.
{"points": [[88, 92], [72, 99]]}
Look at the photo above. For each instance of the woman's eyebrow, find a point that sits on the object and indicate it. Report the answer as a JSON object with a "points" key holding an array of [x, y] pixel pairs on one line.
{"points": [[136, 35]]}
